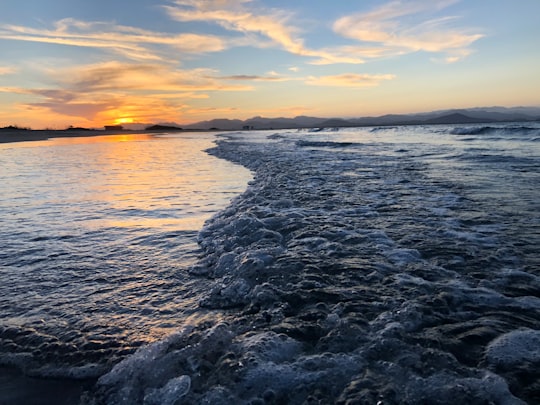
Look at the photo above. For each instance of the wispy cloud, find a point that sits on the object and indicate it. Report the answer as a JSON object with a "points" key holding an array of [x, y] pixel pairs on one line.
{"points": [[145, 70], [273, 25], [130, 42], [258, 26], [401, 27], [254, 78], [111, 76], [6, 70], [349, 80], [205, 111]]}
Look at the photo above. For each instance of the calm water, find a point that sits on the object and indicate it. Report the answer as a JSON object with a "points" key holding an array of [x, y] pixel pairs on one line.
{"points": [[96, 236]]}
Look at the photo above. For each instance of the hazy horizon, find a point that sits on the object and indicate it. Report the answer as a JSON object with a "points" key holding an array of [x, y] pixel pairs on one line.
{"points": [[506, 114]]}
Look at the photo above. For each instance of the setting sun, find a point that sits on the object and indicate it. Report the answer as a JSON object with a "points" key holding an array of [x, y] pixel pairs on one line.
{"points": [[123, 120]]}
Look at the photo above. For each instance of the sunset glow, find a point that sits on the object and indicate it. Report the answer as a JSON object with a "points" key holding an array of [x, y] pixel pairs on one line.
{"points": [[93, 64], [126, 120]]}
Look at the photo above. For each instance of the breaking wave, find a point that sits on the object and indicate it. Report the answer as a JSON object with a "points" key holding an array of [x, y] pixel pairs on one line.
{"points": [[342, 277], [506, 129]]}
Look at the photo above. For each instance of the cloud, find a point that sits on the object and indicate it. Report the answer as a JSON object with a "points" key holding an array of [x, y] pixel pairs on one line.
{"points": [[114, 75], [84, 110], [272, 26], [210, 110], [130, 42], [5, 70], [103, 91], [349, 80], [260, 28], [105, 107], [273, 77], [257, 26], [402, 27]]}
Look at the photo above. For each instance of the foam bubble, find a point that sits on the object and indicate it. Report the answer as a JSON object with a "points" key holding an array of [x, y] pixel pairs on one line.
{"points": [[170, 394], [270, 346], [514, 348], [449, 389], [340, 288]]}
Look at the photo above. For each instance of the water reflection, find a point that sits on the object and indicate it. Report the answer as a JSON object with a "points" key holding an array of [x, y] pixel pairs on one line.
{"points": [[139, 180], [98, 232]]}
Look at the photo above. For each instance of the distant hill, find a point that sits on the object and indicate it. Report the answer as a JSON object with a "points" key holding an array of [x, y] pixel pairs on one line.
{"points": [[449, 117], [219, 124], [163, 128], [12, 128], [78, 129], [336, 122], [454, 118]]}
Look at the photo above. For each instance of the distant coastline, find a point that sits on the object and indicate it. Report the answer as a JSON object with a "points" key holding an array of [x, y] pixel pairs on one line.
{"points": [[471, 116]]}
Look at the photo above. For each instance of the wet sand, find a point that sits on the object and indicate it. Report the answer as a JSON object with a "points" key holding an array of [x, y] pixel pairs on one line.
{"points": [[16, 388], [7, 136]]}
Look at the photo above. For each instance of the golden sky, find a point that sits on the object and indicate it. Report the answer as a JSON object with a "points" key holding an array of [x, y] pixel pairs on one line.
{"points": [[74, 62]]}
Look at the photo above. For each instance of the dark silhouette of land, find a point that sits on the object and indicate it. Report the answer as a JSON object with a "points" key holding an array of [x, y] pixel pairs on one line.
{"points": [[448, 117], [163, 128], [14, 133]]}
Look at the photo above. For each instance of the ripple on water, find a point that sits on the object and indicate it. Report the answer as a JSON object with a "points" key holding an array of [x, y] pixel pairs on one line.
{"points": [[97, 239]]}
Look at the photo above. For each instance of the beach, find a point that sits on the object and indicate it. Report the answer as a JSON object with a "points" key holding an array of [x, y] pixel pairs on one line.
{"points": [[7, 136], [384, 264], [349, 271], [269, 203]]}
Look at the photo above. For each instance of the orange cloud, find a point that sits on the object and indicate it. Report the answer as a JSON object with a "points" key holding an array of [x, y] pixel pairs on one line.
{"points": [[386, 26], [254, 78], [349, 80], [103, 92], [111, 76], [5, 70]]}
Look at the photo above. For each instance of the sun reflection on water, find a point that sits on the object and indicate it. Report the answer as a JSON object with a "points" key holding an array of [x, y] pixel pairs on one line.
{"points": [[101, 230], [132, 179]]}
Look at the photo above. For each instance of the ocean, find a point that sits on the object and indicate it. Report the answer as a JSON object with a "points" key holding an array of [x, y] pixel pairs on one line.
{"points": [[382, 265]]}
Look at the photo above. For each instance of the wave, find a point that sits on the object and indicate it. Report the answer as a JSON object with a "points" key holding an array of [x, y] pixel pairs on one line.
{"points": [[325, 144], [503, 130], [380, 129], [500, 160], [331, 288], [323, 129]]}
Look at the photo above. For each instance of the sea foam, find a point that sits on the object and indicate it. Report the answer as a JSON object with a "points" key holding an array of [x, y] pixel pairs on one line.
{"points": [[335, 288]]}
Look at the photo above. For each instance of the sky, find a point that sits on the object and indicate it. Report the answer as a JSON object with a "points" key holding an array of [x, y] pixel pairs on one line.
{"points": [[100, 62]]}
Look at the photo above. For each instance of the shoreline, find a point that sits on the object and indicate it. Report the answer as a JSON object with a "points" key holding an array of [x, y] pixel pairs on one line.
{"points": [[18, 388], [11, 136]]}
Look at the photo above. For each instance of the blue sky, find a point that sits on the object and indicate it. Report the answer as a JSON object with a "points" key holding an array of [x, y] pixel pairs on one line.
{"points": [[90, 63]]}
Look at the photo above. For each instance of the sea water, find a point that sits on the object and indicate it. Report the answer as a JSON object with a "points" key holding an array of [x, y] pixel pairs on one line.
{"points": [[361, 265], [96, 236]]}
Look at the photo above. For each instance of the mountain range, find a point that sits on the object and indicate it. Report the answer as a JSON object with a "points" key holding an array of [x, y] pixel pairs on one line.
{"points": [[449, 117]]}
